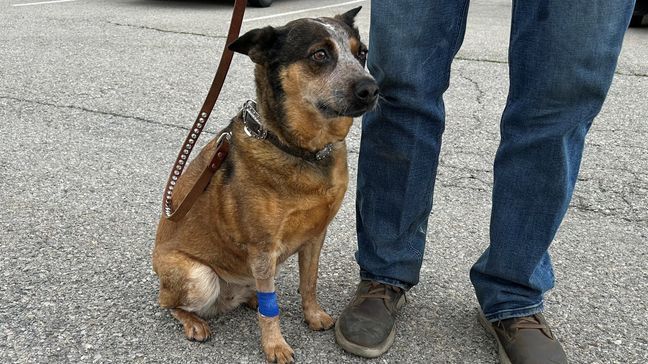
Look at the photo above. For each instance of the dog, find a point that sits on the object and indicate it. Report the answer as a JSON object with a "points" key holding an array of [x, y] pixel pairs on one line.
{"points": [[278, 189]]}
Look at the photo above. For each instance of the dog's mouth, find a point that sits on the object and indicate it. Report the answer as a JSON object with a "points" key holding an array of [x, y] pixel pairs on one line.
{"points": [[351, 111]]}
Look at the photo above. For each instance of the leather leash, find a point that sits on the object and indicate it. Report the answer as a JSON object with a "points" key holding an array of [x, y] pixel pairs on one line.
{"points": [[222, 144]]}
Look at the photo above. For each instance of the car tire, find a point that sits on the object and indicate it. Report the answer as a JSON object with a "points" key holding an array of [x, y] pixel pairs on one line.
{"points": [[260, 3]]}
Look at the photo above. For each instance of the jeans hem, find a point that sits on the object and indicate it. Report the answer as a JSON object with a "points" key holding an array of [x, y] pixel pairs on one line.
{"points": [[517, 312], [385, 280]]}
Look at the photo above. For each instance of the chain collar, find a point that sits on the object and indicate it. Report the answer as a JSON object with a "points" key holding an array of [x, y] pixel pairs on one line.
{"points": [[254, 128], [252, 121]]}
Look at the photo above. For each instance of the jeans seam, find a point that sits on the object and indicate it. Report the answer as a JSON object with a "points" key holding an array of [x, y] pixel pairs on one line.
{"points": [[513, 26], [385, 280], [460, 34], [418, 253], [504, 314]]}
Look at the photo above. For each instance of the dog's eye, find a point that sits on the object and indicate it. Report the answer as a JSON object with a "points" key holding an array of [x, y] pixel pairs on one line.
{"points": [[362, 56], [319, 56]]}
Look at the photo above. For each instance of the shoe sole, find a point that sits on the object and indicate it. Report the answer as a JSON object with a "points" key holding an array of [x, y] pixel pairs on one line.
{"points": [[364, 351], [504, 359]]}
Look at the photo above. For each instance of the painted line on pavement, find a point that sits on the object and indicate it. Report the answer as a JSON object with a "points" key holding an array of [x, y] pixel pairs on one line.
{"points": [[43, 2]]}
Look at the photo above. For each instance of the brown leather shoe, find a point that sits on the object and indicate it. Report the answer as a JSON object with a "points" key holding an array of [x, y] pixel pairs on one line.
{"points": [[366, 325], [525, 340]]}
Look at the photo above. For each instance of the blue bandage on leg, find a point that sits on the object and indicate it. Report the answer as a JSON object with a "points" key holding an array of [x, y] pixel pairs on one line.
{"points": [[268, 306]]}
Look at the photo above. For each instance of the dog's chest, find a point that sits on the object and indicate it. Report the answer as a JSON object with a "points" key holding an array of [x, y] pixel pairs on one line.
{"points": [[309, 217]]}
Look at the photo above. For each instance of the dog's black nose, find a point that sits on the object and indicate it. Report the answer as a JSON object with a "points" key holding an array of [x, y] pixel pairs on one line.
{"points": [[366, 90]]}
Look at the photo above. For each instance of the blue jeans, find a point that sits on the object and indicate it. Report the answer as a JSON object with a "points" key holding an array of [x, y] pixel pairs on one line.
{"points": [[562, 57]]}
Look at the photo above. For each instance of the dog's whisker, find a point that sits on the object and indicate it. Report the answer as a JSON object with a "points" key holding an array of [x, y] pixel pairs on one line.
{"points": [[381, 99]]}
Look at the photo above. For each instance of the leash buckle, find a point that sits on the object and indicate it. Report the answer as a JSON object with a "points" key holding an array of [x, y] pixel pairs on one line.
{"points": [[221, 138]]}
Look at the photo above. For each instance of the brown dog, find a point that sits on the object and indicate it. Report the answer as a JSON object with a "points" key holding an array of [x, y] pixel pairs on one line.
{"points": [[280, 186]]}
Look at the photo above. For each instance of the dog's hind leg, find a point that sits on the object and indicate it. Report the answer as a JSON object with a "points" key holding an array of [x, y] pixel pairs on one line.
{"points": [[189, 288], [315, 316], [195, 328], [233, 295]]}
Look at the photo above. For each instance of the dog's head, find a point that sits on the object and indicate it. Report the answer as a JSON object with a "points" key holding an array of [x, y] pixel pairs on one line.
{"points": [[316, 63]]}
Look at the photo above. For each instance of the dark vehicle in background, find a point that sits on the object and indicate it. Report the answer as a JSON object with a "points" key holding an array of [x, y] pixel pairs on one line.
{"points": [[260, 3], [640, 11]]}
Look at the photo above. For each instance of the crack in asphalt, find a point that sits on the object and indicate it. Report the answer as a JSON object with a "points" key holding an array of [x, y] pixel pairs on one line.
{"points": [[629, 212], [485, 60], [167, 30], [578, 203], [479, 98], [454, 184], [497, 61], [99, 112], [633, 74], [448, 180], [629, 197], [582, 207], [627, 207]]}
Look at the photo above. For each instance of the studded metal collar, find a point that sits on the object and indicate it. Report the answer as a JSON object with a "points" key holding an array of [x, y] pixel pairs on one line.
{"points": [[254, 128]]}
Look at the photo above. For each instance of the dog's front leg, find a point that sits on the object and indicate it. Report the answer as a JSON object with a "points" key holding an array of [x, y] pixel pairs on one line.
{"points": [[315, 316], [264, 264]]}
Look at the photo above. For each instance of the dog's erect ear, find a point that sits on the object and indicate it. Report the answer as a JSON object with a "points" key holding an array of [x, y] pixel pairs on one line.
{"points": [[349, 16], [255, 43]]}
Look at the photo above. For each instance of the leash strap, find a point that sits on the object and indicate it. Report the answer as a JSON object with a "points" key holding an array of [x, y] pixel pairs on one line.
{"points": [[222, 144]]}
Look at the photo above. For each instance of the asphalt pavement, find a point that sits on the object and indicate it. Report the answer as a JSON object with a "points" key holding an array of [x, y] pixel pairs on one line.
{"points": [[95, 98]]}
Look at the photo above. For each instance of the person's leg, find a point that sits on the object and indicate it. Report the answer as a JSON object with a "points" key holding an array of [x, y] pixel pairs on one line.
{"points": [[562, 58], [411, 47]]}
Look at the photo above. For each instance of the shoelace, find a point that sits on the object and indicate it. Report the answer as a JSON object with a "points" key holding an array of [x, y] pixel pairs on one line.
{"points": [[529, 322], [379, 290]]}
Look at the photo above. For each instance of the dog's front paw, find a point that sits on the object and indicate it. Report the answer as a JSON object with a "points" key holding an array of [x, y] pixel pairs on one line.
{"points": [[318, 320], [279, 352]]}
